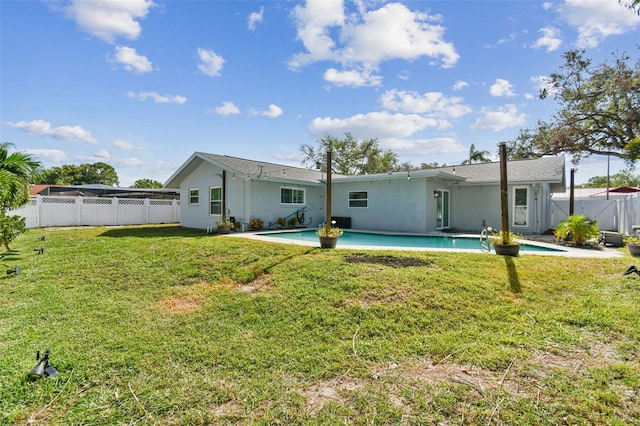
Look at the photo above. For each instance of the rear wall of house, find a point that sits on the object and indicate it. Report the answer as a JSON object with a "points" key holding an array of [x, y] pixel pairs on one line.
{"points": [[395, 205]]}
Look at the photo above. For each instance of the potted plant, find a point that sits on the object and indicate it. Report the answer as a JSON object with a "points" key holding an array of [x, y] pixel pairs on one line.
{"points": [[633, 244], [505, 243], [224, 226], [329, 234], [293, 221], [282, 222], [577, 230], [237, 226], [256, 224]]}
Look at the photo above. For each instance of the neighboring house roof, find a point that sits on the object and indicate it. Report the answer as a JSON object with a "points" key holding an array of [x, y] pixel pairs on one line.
{"points": [[548, 169], [597, 193], [99, 190]]}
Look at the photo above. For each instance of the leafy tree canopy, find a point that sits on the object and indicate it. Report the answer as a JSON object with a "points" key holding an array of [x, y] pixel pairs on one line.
{"points": [[624, 178], [17, 171], [147, 183], [350, 157], [599, 112], [84, 174]]}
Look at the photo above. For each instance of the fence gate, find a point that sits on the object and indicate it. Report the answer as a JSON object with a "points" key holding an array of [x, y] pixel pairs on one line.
{"points": [[604, 212]]}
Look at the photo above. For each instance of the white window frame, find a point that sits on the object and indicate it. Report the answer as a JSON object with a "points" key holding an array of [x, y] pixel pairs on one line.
{"points": [[366, 199], [216, 201], [293, 190], [521, 209], [194, 193]]}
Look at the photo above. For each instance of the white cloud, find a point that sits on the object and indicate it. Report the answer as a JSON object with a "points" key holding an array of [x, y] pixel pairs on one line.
{"points": [[227, 108], [103, 154], [431, 146], [123, 145], [44, 128], [367, 38], [501, 88], [313, 22], [159, 99], [550, 39], [210, 62], [373, 125], [352, 78], [595, 20], [48, 155], [500, 119], [254, 18], [273, 111], [547, 5], [127, 162], [109, 19], [459, 85], [393, 32], [130, 60], [434, 103]]}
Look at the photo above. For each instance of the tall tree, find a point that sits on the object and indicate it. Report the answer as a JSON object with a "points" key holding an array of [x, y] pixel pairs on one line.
{"points": [[599, 110], [83, 174], [350, 157], [17, 171], [147, 183], [477, 156]]}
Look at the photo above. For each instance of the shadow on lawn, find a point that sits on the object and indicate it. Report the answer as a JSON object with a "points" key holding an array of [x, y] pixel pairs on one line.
{"points": [[156, 231], [514, 281]]}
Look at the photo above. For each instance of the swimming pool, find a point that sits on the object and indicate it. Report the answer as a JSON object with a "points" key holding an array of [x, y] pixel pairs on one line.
{"points": [[353, 238]]}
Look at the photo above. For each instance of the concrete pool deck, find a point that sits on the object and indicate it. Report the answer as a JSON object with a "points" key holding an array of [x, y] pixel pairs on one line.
{"points": [[599, 252]]}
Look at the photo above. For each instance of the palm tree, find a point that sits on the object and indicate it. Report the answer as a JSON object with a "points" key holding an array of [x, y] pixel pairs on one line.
{"points": [[17, 171], [476, 156]]}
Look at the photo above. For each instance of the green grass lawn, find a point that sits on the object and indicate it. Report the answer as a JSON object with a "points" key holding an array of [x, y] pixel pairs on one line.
{"points": [[166, 325]]}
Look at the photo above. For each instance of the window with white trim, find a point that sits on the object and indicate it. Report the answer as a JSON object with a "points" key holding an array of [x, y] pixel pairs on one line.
{"points": [[215, 200], [521, 206], [291, 196], [194, 196], [358, 199]]}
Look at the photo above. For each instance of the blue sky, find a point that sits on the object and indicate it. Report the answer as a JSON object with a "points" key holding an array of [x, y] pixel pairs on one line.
{"points": [[142, 84]]}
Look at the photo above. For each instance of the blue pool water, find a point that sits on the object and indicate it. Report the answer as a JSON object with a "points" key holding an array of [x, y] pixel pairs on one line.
{"points": [[350, 238]]}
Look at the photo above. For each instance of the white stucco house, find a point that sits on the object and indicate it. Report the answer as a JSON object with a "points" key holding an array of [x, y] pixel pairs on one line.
{"points": [[464, 197]]}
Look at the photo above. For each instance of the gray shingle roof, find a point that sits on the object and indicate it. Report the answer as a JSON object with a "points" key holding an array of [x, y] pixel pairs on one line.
{"points": [[261, 169], [546, 169]]}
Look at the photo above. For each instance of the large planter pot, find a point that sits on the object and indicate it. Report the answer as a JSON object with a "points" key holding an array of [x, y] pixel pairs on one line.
{"points": [[507, 249], [328, 242], [634, 249], [224, 229]]}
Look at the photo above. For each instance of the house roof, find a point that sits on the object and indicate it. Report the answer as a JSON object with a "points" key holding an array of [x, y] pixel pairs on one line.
{"points": [[597, 193], [546, 169], [248, 169], [99, 190]]}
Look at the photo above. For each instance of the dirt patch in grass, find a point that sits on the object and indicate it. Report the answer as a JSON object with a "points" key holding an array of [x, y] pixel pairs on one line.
{"points": [[262, 283], [396, 262], [522, 378], [181, 303], [330, 391]]}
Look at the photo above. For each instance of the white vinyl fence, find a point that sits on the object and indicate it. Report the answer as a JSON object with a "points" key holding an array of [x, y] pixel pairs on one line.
{"points": [[44, 211], [619, 215]]}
